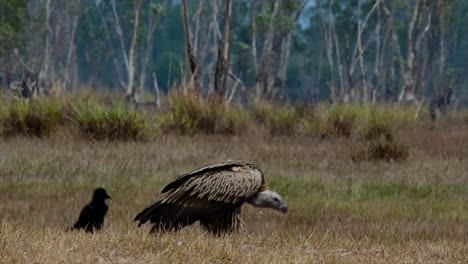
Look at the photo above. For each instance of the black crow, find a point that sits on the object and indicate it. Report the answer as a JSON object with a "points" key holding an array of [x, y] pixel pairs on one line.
{"points": [[92, 215]]}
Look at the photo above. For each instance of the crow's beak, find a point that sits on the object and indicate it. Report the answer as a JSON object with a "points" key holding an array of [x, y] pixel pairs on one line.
{"points": [[108, 197]]}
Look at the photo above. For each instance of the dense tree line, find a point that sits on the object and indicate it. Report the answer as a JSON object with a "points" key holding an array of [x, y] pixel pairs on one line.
{"points": [[294, 50]]}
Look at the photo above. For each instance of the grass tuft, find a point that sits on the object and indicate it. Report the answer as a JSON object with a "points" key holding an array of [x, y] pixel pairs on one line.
{"points": [[115, 122], [382, 148], [191, 113], [279, 119], [338, 120], [39, 117], [346, 120], [387, 150]]}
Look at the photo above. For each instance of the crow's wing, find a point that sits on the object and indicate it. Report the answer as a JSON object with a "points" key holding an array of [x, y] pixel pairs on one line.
{"points": [[85, 217]]}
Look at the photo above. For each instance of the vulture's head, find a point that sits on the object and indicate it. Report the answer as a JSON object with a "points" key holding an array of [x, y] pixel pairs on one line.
{"points": [[269, 199]]}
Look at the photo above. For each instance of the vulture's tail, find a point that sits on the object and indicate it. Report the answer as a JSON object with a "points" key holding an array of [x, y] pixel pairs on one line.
{"points": [[145, 215]]}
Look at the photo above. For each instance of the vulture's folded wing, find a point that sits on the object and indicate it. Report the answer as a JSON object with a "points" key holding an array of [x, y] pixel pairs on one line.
{"points": [[224, 183]]}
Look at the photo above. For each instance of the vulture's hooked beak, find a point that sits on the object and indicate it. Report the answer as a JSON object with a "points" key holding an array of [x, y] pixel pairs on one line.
{"points": [[283, 208]]}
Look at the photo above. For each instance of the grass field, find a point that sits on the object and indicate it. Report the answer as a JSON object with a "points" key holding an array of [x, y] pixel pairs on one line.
{"points": [[339, 211]]}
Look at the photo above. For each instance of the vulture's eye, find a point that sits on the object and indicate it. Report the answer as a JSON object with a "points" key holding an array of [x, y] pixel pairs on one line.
{"points": [[276, 199]]}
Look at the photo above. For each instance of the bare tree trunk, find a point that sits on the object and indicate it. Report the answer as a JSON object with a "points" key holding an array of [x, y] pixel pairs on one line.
{"points": [[442, 45], [408, 77], [216, 37], [377, 63], [283, 64], [254, 36], [131, 58], [71, 49], [338, 56], [316, 89], [196, 36], [222, 65], [237, 82], [147, 54], [286, 40], [424, 24], [156, 89], [358, 53], [263, 76], [109, 40], [191, 61], [409, 89], [388, 56], [120, 34], [328, 44], [44, 75]]}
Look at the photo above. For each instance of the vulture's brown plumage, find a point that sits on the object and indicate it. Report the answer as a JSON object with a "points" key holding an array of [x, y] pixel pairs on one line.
{"points": [[212, 195]]}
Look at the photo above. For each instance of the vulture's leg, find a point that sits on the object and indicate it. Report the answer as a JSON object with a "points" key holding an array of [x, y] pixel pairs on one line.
{"points": [[222, 222]]}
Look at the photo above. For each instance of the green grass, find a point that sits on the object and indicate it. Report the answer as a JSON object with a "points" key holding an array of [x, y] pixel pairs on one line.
{"points": [[278, 119], [191, 113], [99, 116], [116, 122], [39, 117], [355, 119]]}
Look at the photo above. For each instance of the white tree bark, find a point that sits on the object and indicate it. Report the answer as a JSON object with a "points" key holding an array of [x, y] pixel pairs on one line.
{"points": [[328, 43], [156, 90], [196, 36], [44, 75], [114, 53], [222, 64], [151, 27], [254, 35], [119, 32], [264, 78], [131, 57], [190, 56], [71, 49]]}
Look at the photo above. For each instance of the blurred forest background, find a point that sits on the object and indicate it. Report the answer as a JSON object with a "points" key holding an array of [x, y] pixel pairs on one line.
{"points": [[286, 51]]}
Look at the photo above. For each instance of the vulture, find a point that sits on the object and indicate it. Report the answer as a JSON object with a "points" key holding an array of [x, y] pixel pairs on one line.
{"points": [[92, 215], [212, 195]]}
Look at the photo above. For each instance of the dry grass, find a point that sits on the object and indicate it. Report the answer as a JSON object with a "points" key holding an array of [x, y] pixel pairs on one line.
{"points": [[340, 211]]}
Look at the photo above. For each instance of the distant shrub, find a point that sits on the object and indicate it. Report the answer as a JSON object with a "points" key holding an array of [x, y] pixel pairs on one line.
{"points": [[390, 116], [383, 148], [464, 115], [191, 113], [374, 132], [337, 120], [387, 150], [362, 119], [37, 117], [115, 122], [278, 119], [3, 108]]}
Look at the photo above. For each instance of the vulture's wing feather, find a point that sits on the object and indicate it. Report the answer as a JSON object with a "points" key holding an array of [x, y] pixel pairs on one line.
{"points": [[203, 170], [230, 183], [163, 212]]}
